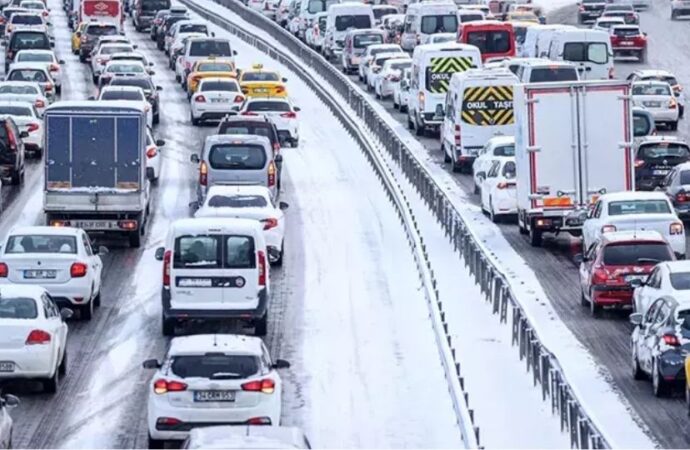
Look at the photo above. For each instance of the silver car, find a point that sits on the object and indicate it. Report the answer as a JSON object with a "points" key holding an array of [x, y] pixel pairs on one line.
{"points": [[658, 98]]}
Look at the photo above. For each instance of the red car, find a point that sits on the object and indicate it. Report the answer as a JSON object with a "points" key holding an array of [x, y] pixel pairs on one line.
{"points": [[629, 40], [612, 263]]}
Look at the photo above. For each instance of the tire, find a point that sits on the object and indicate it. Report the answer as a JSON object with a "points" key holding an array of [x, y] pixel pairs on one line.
{"points": [[594, 309], [62, 368], [636, 370], [457, 168], [659, 385], [642, 57], [97, 300], [167, 327], [86, 311], [94, 78], [410, 125], [135, 239], [492, 215], [583, 300], [279, 261], [536, 237], [178, 78], [403, 108], [157, 118], [50, 385], [82, 58], [16, 178], [395, 105], [156, 443], [446, 159], [376, 94], [58, 90], [418, 130], [261, 326]]}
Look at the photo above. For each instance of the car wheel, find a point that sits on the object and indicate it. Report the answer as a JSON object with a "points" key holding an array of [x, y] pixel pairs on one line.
{"points": [[97, 300], [50, 385], [594, 309], [156, 443], [673, 126], [279, 261], [86, 311], [261, 326], [16, 178], [418, 129], [58, 90], [583, 299], [395, 104], [94, 78], [636, 370], [156, 118], [446, 159], [168, 326], [658, 383], [403, 108], [410, 125], [492, 214], [535, 237], [135, 239], [63, 364]]}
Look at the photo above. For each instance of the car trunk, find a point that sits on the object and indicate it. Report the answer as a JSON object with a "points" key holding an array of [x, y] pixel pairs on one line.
{"points": [[14, 333], [37, 268], [643, 222]]}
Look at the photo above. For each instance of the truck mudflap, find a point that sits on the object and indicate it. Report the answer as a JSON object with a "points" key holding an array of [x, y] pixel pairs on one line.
{"points": [[126, 224], [537, 222]]}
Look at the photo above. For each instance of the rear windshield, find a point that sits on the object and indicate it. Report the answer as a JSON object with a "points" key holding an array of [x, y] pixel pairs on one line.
{"points": [[400, 65], [620, 8], [143, 83], [547, 74], [317, 6], [237, 157], [27, 75], [255, 128], [119, 49], [8, 12], [268, 106], [41, 244], [504, 150], [651, 89], [471, 18], [35, 57], [219, 86], [440, 38], [125, 68], [490, 41], [27, 19], [18, 308], [594, 52], [358, 22], [28, 39], [663, 150], [214, 67], [624, 32], [639, 253], [628, 207], [214, 252], [445, 23], [192, 28], [101, 30], [18, 90], [218, 366], [210, 48], [154, 5], [260, 76], [122, 95], [680, 281], [16, 110], [365, 40], [608, 23], [237, 201]]}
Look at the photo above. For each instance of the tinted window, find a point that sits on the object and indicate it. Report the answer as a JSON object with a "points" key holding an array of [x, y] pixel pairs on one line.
{"points": [[257, 128], [680, 281], [237, 201], [625, 32], [192, 28], [35, 57], [214, 67], [210, 48], [41, 244], [119, 49], [504, 150], [154, 5], [27, 19], [219, 86], [594, 52], [16, 110], [260, 76], [471, 18], [547, 74], [19, 90], [317, 6], [628, 207], [639, 253], [365, 40], [197, 252], [663, 150], [143, 83], [27, 40], [267, 106], [125, 68], [237, 157], [215, 366], [101, 30], [651, 89], [239, 252], [342, 23], [380, 12], [18, 308], [447, 23], [490, 41], [122, 95], [8, 12], [28, 75]]}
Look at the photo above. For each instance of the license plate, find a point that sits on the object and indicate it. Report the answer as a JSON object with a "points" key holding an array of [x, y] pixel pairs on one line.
{"points": [[627, 43], [261, 90], [630, 278], [219, 100], [6, 366], [40, 274], [652, 104], [660, 172], [194, 282], [93, 224], [214, 396]]}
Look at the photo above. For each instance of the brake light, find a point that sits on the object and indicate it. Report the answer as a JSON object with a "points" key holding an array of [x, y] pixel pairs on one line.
{"points": [[262, 268], [151, 152], [259, 421], [49, 87], [671, 339], [54, 67], [39, 104], [682, 197], [269, 223], [600, 276], [608, 229], [267, 386], [203, 173], [289, 115], [200, 99], [167, 256], [77, 270], [271, 174], [3, 270], [162, 386], [672, 104], [37, 337], [11, 138], [32, 127], [239, 99], [676, 228], [280, 89], [639, 163]]}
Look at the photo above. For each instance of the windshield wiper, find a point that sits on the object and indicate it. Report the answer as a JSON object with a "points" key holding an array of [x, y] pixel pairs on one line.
{"points": [[648, 261]]}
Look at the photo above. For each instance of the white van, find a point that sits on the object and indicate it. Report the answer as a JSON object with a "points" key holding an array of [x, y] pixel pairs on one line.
{"points": [[590, 50], [538, 39], [541, 70], [215, 269], [470, 15], [433, 65], [341, 18], [308, 11], [427, 18], [478, 106]]}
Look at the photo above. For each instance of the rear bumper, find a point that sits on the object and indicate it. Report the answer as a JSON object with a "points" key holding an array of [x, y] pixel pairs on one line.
{"points": [[34, 361], [214, 314], [620, 297], [672, 365], [648, 183]]}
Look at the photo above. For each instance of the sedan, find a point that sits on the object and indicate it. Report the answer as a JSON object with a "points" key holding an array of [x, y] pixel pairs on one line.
{"points": [[659, 99], [27, 119], [44, 56], [114, 69], [249, 202], [214, 99], [498, 189], [280, 111], [668, 278], [101, 57], [60, 259], [496, 147], [218, 379], [33, 335], [24, 91], [153, 156], [677, 188]]}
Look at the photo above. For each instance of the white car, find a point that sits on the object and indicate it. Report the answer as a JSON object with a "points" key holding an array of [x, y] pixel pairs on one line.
{"points": [[661, 75], [314, 33], [28, 119], [498, 189], [33, 335], [209, 379], [605, 23], [101, 57], [131, 56], [24, 91], [153, 156], [36, 73], [376, 66], [629, 211], [245, 437], [401, 91], [115, 68], [111, 39], [133, 94], [389, 76], [496, 147], [215, 99], [669, 278], [60, 259], [249, 202], [658, 98], [45, 56], [26, 20], [7, 403], [368, 57], [281, 112]]}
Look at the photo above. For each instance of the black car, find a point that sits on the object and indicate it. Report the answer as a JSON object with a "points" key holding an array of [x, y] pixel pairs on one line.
{"points": [[660, 342], [90, 36], [165, 27], [655, 157], [12, 151], [157, 22], [25, 40], [145, 11], [677, 188], [150, 90], [590, 10]]}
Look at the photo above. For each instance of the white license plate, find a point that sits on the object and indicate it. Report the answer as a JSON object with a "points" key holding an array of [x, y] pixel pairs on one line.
{"points": [[627, 43], [194, 282], [40, 274], [660, 172], [219, 100], [630, 278], [652, 104], [93, 224], [6, 366], [214, 396], [261, 90]]}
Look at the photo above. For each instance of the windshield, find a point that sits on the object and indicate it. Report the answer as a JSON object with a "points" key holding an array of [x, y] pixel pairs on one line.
{"points": [[380, 12], [18, 308], [443, 37], [197, 252], [192, 28], [342, 23], [446, 23], [237, 201], [101, 30], [41, 244], [594, 52], [18, 90], [16, 110], [219, 86], [400, 65], [210, 48], [34, 57], [651, 89], [237, 157], [256, 128], [220, 365], [125, 68], [663, 150], [27, 19], [625, 32], [317, 6], [268, 106], [365, 40], [630, 207], [629, 254], [609, 23], [28, 39], [546, 74], [154, 5], [490, 41], [122, 95], [260, 76], [27, 75], [143, 83]]}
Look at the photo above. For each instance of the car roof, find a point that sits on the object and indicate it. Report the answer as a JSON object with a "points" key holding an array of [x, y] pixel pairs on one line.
{"points": [[633, 195], [203, 343], [265, 99], [632, 236], [676, 266], [237, 139], [501, 140], [228, 436], [216, 224], [121, 88], [36, 65], [36, 50], [656, 139], [21, 83], [217, 79], [238, 189], [23, 290], [45, 230]]}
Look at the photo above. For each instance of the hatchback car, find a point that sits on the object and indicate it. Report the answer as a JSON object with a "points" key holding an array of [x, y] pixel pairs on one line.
{"points": [[146, 84], [101, 57], [214, 99], [35, 73], [659, 99], [676, 185], [655, 157]]}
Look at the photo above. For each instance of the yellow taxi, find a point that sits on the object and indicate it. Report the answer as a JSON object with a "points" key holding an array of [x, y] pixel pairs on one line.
{"points": [[209, 68], [522, 16], [76, 37], [258, 82]]}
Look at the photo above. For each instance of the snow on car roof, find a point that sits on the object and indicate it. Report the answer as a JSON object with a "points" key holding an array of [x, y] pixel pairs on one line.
{"points": [[193, 225], [203, 343], [633, 195], [237, 138], [24, 290], [677, 266], [228, 436], [501, 140]]}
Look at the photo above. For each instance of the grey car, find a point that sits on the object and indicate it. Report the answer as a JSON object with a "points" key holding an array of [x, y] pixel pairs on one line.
{"points": [[237, 159]]}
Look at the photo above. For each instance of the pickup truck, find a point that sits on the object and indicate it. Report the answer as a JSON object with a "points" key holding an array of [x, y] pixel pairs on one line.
{"points": [[95, 168]]}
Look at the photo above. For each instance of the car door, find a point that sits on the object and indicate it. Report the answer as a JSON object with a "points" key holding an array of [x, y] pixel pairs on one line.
{"points": [[61, 326], [94, 261], [653, 333], [589, 255], [52, 325], [489, 183], [640, 335], [648, 291], [590, 226]]}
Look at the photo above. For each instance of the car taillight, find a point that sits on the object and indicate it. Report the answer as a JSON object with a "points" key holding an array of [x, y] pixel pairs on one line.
{"points": [[608, 228], [39, 104], [151, 152], [280, 89], [420, 96], [271, 174], [671, 339], [167, 256], [32, 127], [200, 99], [289, 115], [203, 173], [249, 113], [49, 87], [259, 421], [600, 276], [3, 270], [262, 268], [37, 337], [639, 163], [672, 104], [269, 223], [12, 140], [162, 386], [239, 99], [682, 197], [45, 13], [77, 270], [676, 228], [267, 386], [54, 67], [503, 185]]}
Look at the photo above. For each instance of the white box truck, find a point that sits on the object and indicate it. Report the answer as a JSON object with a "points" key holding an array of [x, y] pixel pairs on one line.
{"points": [[573, 143]]}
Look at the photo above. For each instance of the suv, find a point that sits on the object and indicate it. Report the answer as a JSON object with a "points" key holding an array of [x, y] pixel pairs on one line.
{"points": [[90, 35], [145, 10], [629, 40], [150, 91], [11, 150], [654, 159], [25, 39]]}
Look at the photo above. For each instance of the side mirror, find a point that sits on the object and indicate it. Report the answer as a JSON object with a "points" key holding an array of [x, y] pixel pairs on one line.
{"points": [[284, 80], [150, 64], [66, 313], [103, 250], [151, 72], [235, 108], [194, 158], [278, 158], [151, 364], [281, 364], [578, 258], [61, 62], [636, 319], [24, 134], [283, 205], [297, 108], [135, 46], [10, 401], [194, 205], [160, 252], [234, 52], [213, 34], [636, 283], [52, 43], [91, 97], [160, 142]]}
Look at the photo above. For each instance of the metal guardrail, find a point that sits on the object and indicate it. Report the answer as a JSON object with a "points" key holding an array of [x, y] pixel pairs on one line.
{"points": [[544, 366]]}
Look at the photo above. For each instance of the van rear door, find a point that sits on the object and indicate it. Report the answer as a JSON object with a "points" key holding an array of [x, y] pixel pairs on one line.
{"points": [[197, 274], [244, 268]]}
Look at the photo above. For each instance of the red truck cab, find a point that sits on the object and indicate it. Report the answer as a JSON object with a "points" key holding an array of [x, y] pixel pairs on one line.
{"points": [[495, 40]]}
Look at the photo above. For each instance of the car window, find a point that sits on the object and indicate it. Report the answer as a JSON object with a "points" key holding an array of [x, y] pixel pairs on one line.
{"points": [[34, 75], [365, 40], [227, 86], [87, 244], [18, 89], [26, 19], [594, 52], [625, 32], [237, 201], [122, 95], [628, 207], [36, 243], [490, 41], [629, 254], [101, 30], [260, 76], [214, 67], [663, 150], [342, 23], [317, 6], [18, 308], [215, 366], [685, 177], [258, 128], [125, 68], [651, 312], [197, 252], [642, 124], [239, 252], [16, 110], [442, 23], [651, 89], [209, 48], [237, 157], [268, 106], [144, 83], [680, 280], [109, 50], [549, 74], [192, 28], [683, 321], [35, 57], [509, 170]]}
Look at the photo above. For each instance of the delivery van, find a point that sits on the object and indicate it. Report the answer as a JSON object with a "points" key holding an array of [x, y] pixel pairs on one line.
{"points": [[495, 40], [427, 18], [590, 50], [342, 18]]}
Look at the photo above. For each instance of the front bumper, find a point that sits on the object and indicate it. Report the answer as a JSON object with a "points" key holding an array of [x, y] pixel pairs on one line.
{"points": [[214, 314]]}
